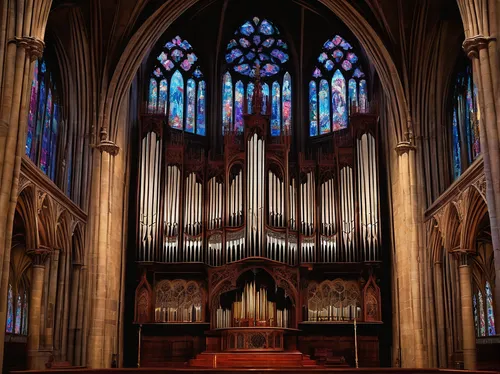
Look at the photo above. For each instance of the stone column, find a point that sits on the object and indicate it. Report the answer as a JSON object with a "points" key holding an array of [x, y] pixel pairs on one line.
{"points": [[441, 324], [73, 311], [480, 25], [469, 332], [51, 300], [35, 360]]}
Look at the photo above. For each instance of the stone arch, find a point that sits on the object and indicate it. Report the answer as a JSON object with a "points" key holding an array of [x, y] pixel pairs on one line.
{"points": [[63, 239], [46, 223], [452, 228], [77, 245], [26, 208], [435, 242], [152, 29], [476, 211]]}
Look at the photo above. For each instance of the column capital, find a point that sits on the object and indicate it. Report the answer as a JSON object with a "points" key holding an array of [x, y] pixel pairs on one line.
{"points": [[34, 47], [405, 147], [106, 145], [38, 256], [473, 44], [463, 255]]}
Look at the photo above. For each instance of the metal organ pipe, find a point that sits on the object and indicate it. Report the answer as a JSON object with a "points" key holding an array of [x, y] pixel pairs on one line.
{"points": [[368, 196], [171, 215], [328, 227], [235, 201], [276, 199], [347, 212], [255, 195], [148, 199], [193, 249], [214, 204], [308, 205]]}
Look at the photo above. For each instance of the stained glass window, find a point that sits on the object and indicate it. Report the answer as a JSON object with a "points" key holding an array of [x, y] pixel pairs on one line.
{"points": [[177, 89], [10, 310], [43, 120], [465, 122], [24, 327], [476, 312], [482, 322], [257, 45], [489, 310], [17, 326], [337, 89]]}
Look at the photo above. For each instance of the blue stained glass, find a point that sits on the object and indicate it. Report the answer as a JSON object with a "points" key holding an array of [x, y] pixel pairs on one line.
{"points": [[25, 314], [242, 69], [339, 105], [39, 120], [200, 114], [190, 105], [337, 40], [276, 112], [282, 56], [265, 98], [250, 55], [489, 310], [245, 43], [250, 88], [239, 94], [9, 327], [324, 107], [345, 45], [153, 95], [247, 28], [317, 73], [169, 65], [185, 45], [266, 28], [270, 69], [338, 55], [256, 39], [227, 102], [287, 102], [44, 159], [163, 97], [457, 167], [482, 321], [232, 44], [476, 312], [32, 112], [322, 57], [281, 44], [353, 93], [352, 57], [346, 65], [329, 65], [177, 55], [328, 45], [313, 109], [233, 55], [17, 326], [268, 42], [53, 143], [176, 98], [363, 97], [192, 58], [162, 58], [197, 73], [157, 73], [263, 57], [477, 145], [358, 73]]}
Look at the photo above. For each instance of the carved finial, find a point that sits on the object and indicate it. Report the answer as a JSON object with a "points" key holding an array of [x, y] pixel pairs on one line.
{"points": [[107, 145]]}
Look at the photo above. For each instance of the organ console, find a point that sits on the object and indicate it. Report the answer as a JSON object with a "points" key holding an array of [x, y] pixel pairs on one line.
{"points": [[260, 208]]}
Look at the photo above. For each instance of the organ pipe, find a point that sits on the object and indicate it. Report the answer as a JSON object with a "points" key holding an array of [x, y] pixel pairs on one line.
{"points": [[193, 243], [171, 215], [276, 200], [215, 204], [347, 213], [368, 196], [255, 195], [293, 205], [328, 240], [235, 200], [149, 193]]}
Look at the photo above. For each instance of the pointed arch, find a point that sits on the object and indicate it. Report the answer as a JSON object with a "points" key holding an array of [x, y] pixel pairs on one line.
{"points": [[476, 211]]}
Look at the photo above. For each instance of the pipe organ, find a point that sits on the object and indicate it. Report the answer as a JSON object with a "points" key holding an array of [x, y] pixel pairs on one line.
{"points": [[254, 202]]}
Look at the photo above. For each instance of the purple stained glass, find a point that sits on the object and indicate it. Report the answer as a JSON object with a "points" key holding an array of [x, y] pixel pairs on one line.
{"points": [[153, 95], [282, 56], [232, 44], [329, 65], [352, 57], [25, 314], [157, 73], [170, 45], [276, 110], [163, 97], [39, 119], [322, 57], [250, 55], [281, 44], [53, 143], [250, 88], [176, 98], [186, 65], [200, 114], [345, 45], [270, 69], [317, 73], [268, 42], [177, 40], [339, 105], [489, 310], [482, 321], [177, 55], [192, 58], [353, 94], [287, 102], [32, 111], [169, 65], [338, 55], [227, 102], [337, 40], [242, 69], [457, 166], [476, 145], [247, 28], [263, 57], [256, 39], [266, 28], [239, 94], [328, 45], [245, 43], [162, 58], [44, 158], [363, 97], [313, 109], [190, 105], [358, 73], [17, 326], [265, 98], [346, 65], [9, 327], [324, 107], [233, 55]]}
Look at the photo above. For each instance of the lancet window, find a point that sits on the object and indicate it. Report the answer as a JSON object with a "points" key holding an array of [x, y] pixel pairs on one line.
{"points": [[338, 87], [43, 120], [257, 48], [17, 311], [465, 122], [177, 88]]}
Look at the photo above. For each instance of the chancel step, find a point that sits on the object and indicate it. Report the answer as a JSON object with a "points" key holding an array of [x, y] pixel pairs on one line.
{"points": [[253, 360]]}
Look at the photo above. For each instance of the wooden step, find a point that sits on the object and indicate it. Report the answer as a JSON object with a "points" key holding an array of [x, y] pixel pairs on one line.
{"points": [[252, 360]]}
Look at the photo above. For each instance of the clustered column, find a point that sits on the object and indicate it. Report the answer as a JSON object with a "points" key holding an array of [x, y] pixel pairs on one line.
{"points": [[469, 342]]}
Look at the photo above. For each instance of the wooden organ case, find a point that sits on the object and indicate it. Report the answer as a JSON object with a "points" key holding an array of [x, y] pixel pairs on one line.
{"points": [[256, 250]]}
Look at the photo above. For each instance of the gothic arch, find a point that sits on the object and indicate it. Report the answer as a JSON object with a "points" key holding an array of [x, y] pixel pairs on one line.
{"points": [[152, 29], [452, 228], [435, 242], [476, 211], [45, 221], [62, 241], [26, 207], [77, 245]]}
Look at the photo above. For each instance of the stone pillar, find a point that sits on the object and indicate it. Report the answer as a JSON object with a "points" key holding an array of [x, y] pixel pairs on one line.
{"points": [[480, 25], [407, 224], [73, 311], [469, 332], [35, 360], [51, 302], [441, 324]]}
